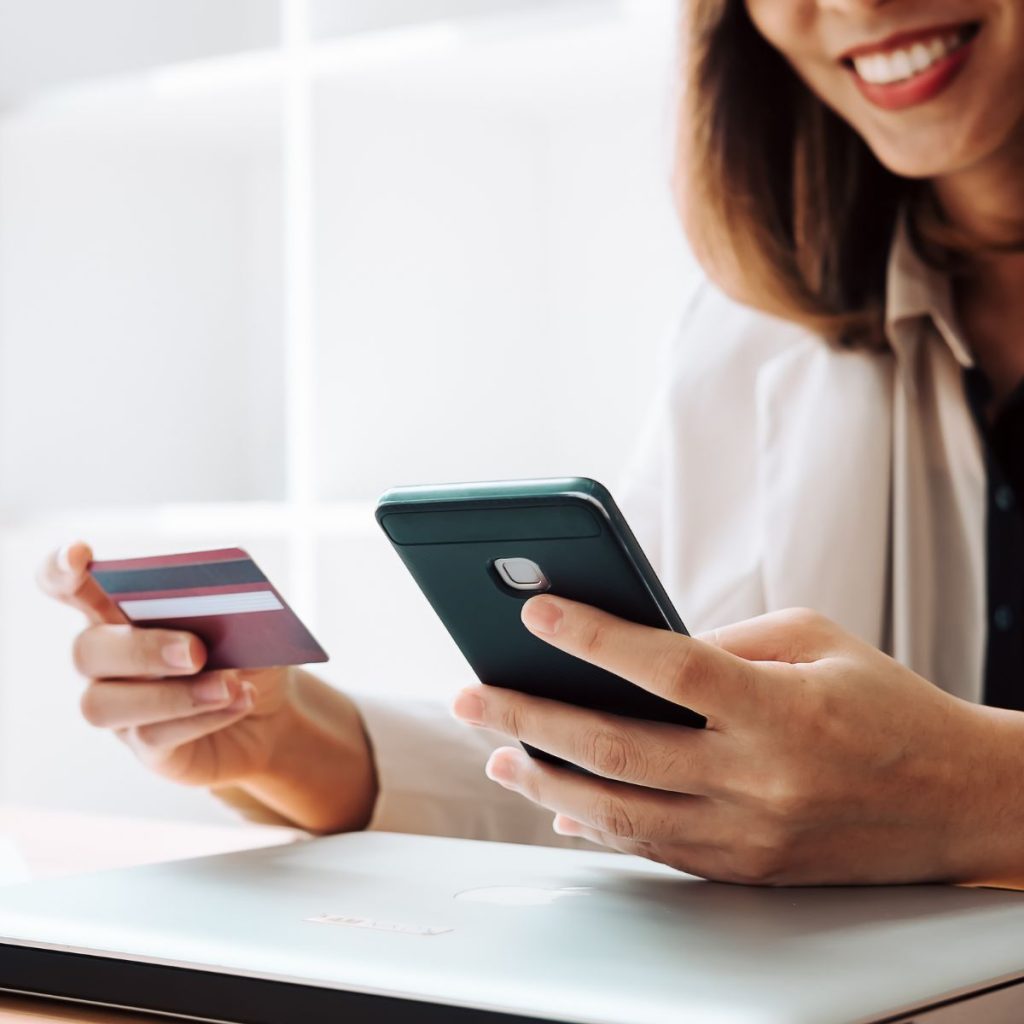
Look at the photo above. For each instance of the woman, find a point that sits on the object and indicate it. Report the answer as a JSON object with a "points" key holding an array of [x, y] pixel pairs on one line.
{"points": [[844, 432]]}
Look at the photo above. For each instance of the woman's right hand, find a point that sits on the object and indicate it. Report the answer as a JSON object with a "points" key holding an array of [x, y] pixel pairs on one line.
{"points": [[257, 729]]}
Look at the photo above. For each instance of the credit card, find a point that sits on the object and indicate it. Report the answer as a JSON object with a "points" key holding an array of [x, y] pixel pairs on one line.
{"points": [[222, 596]]}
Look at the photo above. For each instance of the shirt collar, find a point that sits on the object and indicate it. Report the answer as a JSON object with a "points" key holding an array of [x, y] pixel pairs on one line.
{"points": [[915, 293]]}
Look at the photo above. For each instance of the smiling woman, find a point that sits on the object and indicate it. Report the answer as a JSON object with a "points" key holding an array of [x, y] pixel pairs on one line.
{"points": [[832, 493]]}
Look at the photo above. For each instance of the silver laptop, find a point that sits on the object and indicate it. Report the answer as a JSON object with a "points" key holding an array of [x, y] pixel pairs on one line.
{"points": [[384, 927]]}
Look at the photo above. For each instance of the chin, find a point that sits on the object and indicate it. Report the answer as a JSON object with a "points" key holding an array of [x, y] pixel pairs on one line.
{"points": [[919, 166], [928, 158]]}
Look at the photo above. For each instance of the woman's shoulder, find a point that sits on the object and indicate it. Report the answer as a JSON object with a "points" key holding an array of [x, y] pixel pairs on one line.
{"points": [[724, 350], [759, 407], [719, 336]]}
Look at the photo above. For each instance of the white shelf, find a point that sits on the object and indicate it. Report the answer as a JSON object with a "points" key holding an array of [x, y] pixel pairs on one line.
{"points": [[49, 44], [235, 98], [328, 18], [228, 104], [264, 519], [513, 59]]}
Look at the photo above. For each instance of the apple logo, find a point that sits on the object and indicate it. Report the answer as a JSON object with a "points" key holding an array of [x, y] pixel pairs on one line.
{"points": [[521, 895]]}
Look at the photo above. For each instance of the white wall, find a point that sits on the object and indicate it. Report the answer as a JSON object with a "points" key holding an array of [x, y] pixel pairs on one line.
{"points": [[494, 263], [134, 321]]}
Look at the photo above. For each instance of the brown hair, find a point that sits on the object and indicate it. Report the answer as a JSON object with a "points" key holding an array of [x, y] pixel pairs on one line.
{"points": [[784, 203]]}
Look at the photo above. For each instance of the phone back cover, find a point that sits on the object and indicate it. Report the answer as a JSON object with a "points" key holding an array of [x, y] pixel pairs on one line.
{"points": [[450, 549]]}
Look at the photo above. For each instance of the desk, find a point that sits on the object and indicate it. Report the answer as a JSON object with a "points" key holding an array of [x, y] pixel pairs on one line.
{"points": [[54, 843]]}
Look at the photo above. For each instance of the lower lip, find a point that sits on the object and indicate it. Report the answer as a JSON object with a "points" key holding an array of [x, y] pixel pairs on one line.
{"points": [[913, 91]]}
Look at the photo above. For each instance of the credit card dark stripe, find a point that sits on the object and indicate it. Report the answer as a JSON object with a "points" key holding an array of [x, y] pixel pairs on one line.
{"points": [[235, 588], [177, 577]]}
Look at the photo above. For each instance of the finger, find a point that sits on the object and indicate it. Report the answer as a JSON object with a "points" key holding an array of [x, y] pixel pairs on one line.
{"points": [[679, 668], [566, 826], [167, 736], [128, 652], [630, 812], [794, 635], [652, 754], [125, 704], [702, 861], [65, 576]]}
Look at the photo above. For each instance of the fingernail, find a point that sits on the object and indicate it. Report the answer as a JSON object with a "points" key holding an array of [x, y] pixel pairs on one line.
{"points": [[64, 558], [244, 701], [178, 654], [542, 615], [564, 826], [468, 707], [210, 691], [503, 766]]}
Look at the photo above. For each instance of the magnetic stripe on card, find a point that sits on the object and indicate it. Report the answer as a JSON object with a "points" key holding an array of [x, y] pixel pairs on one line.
{"points": [[180, 577]]}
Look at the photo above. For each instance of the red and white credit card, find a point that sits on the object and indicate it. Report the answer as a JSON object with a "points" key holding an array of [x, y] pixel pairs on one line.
{"points": [[221, 596]]}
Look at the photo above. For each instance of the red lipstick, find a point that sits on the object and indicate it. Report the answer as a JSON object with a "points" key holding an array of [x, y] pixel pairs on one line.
{"points": [[919, 86]]}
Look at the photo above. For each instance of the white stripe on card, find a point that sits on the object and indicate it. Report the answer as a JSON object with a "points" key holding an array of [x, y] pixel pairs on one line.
{"points": [[203, 604]]}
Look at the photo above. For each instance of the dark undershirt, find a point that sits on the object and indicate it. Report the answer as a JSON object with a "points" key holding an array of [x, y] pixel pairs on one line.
{"points": [[1003, 445]]}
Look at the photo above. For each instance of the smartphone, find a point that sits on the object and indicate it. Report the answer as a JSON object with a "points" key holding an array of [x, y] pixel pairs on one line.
{"points": [[480, 550]]}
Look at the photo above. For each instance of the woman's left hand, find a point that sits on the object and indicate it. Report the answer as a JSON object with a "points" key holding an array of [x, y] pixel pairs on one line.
{"points": [[823, 761]]}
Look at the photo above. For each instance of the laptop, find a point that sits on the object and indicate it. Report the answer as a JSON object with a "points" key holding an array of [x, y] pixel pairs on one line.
{"points": [[398, 928]]}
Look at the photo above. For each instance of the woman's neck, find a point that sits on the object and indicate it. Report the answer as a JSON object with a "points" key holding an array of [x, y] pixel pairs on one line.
{"points": [[986, 204]]}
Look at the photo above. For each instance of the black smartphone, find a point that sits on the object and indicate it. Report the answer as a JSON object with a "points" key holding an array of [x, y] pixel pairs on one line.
{"points": [[479, 550]]}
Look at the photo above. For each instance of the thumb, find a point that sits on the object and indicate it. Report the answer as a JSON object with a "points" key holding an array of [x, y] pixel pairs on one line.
{"points": [[65, 577]]}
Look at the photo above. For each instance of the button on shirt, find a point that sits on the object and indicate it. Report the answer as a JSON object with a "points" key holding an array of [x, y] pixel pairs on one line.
{"points": [[1003, 437]]}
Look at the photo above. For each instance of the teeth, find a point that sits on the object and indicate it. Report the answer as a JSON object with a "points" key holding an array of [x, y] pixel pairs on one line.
{"points": [[899, 65], [920, 57]]}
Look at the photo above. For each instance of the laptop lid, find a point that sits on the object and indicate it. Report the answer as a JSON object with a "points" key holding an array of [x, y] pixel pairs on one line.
{"points": [[423, 928]]}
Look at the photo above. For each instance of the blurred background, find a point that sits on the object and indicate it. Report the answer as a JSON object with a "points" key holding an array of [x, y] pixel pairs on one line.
{"points": [[262, 259]]}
